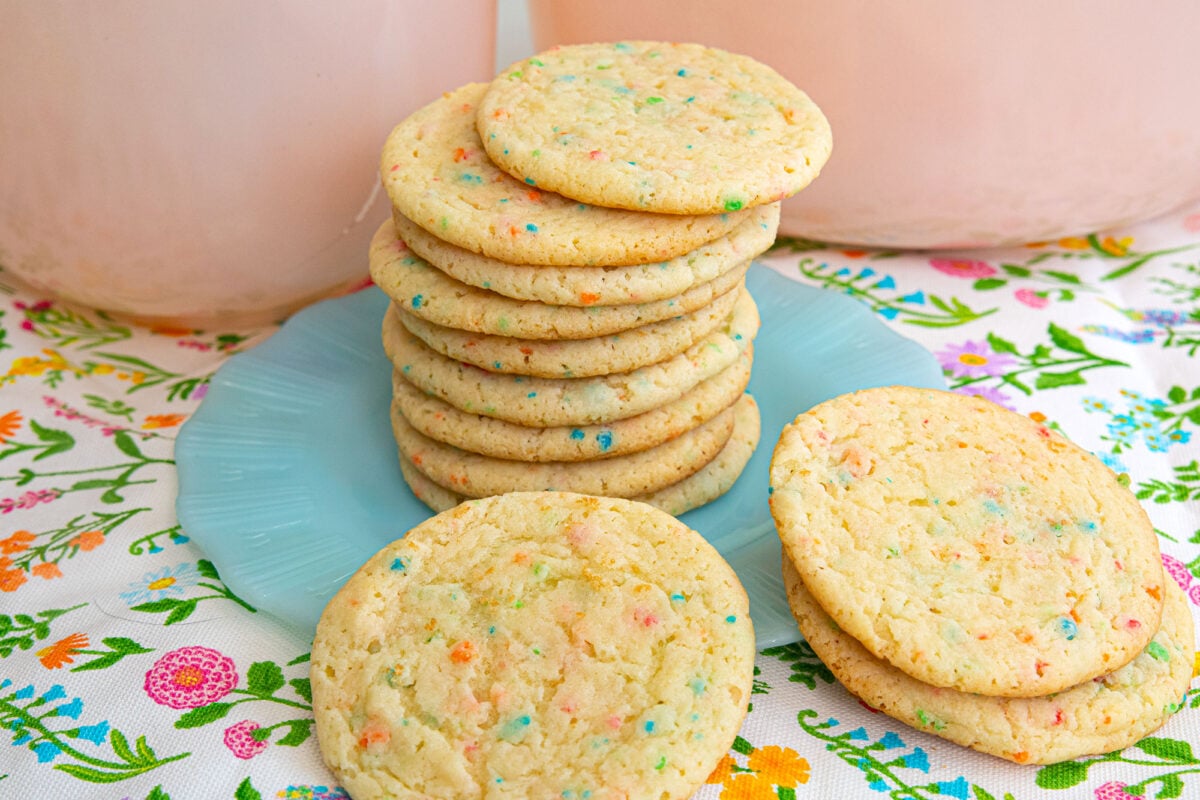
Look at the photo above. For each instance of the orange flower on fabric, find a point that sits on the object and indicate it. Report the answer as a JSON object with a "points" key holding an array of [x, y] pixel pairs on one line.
{"points": [[782, 766], [16, 543], [47, 570], [724, 769], [88, 540], [163, 421], [1116, 247], [59, 653], [1074, 243], [748, 786], [10, 423], [11, 579]]}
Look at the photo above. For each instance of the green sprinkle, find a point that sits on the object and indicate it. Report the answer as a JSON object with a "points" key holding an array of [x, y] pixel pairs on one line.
{"points": [[933, 722], [733, 205], [541, 570], [662, 762], [515, 75], [536, 62], [650, 101], [1158, 652]]}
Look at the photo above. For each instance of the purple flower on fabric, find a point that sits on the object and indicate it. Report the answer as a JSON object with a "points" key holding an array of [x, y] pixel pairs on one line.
{"points": [[190, 677], [988, 393], [974, 360]]}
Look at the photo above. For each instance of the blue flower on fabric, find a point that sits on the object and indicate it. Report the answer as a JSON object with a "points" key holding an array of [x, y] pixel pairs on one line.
{"points": [[55, 692], [46, 751], [956, 788], [859, 733], [165, 582], [72, 709], [879, 786], [96, 734], [891, 739], [917, 759]]}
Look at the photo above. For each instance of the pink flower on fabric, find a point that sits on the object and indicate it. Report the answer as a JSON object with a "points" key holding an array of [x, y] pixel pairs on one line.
{"points": [[191, 677], [240, 739], [1177, 570], [1113, 790], [974, 360], [1031, 298], [963, 268], [1194, 594]]}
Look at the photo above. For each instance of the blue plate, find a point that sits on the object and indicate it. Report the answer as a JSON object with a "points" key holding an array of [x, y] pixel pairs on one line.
{"points": [[288, 475]]}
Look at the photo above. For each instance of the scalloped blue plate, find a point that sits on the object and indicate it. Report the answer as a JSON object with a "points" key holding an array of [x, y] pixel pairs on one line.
{"points": [[288, 476]]}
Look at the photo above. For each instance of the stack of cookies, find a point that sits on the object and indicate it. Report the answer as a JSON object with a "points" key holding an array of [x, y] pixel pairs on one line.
{"points": [[977, 576], [566, 266]]}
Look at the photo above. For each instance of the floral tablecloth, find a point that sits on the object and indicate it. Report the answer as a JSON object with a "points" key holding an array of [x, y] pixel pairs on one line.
{"points": [[129, 669]]}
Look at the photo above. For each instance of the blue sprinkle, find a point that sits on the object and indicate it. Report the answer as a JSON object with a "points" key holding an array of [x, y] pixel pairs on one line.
{"points": [[678, 597], [1087, 526], [992, 507], [731, 619], [649, 726], [529, 226], [605, 440], [491, 630], [531, 395], [577, 434], [681, 73], [1068, 627], [399, 564], [530, 181], [417, 300], [497, 365]]}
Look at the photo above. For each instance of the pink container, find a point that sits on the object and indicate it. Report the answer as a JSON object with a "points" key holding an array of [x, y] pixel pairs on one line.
{"points": [[959, 123], [202, 162]]}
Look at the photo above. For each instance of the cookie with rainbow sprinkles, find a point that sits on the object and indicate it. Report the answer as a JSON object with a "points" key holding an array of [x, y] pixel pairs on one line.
{"points": [[537, 645], [964, 544]]}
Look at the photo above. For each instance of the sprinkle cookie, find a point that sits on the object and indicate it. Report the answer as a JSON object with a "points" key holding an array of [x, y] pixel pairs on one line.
{"points": [[654, 126], [474, 475], [495, 437], [705, 485], [1095, 717], [438, 175], [570, 358], [548, 402], [536, 645], [964, 544], [598, 286], [427, 292]]}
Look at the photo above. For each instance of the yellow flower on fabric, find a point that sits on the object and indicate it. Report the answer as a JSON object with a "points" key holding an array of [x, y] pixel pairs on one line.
{"points": [[163, 421], [1074, 243], [748, 786], [725, 766], [782, 766]]}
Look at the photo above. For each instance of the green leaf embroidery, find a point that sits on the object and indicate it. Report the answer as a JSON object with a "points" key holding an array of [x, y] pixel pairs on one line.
{"points": [[246, 791], [264, 678], [1063, 775], [1166, 749], [203, 715]]}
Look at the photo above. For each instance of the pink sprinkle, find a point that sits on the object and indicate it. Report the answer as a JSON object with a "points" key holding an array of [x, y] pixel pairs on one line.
{"points": [[597, 155], [395, 167], [614, 722], [1133, 624]]}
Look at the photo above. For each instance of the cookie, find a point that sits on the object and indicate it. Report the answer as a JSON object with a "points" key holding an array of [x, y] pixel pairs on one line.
{"points": [[965, 544], [654, 126], [570, 358], [1098, 716], [474, 475], [494, 437], [550, 402], [536, 645], [437, 174], [705, 485], [717, 476], [427, 292], [598, 286]]}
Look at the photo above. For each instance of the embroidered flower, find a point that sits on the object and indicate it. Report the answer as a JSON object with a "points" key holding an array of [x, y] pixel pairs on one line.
{"points": [[16, 543], [240, 739], [88, 540], [10, 423], [190, 677], [1031, 298], [11, 579], [59, 653], [161, 583], [748, 786], [963, 268], [1112, 790], [163, 421], [47, 570], [782, 766], [988, 393], [974, 360], [722, 770]]}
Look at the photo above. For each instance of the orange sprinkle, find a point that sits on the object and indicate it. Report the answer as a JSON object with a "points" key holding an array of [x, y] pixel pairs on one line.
{"points": [[374, 735], [1153, 591], [1075, 615], [1040, 667], [512, 230], [1020, 756], [520, 557], [526, 351], [460, 154], [587, 298], [500, 113], [534, 195], [431, 624], [462, 652]]}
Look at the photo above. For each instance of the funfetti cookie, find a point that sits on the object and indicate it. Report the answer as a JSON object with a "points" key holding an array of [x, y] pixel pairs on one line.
{"points": [[534, 645], [567, 358], [547, 402], [654, 126], [474, 475], [1098, 716], [438, 175], [703, 486], [598, 286], [427, 292], [965, 544], [494, 437]]}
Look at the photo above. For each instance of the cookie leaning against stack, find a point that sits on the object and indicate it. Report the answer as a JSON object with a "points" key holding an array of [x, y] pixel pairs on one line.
{"points": [[562, 340], [1008, 570], [534, 645]]}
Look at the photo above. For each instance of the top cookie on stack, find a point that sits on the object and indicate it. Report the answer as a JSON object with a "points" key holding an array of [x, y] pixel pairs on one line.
{"points": [[569, 338]]}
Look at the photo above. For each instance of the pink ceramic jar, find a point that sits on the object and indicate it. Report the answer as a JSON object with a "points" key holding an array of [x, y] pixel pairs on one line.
{"points": [[959, 123], [217, 161]]}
